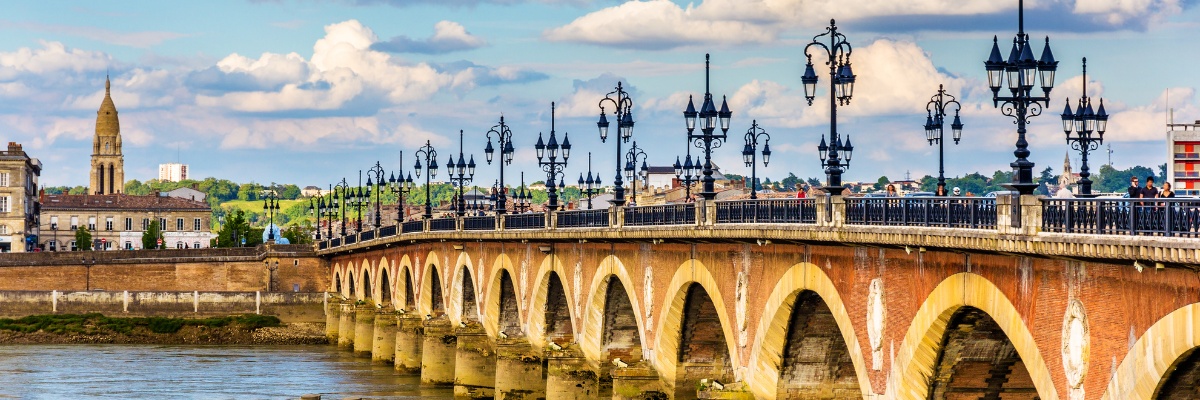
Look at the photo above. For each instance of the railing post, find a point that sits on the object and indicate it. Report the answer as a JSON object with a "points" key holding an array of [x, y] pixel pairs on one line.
{"points": [[706, 212], [425, 223], [550, 220], [500, 222], [616, 217]]}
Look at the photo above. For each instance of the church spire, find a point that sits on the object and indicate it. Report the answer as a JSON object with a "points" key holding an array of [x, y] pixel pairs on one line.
{"points": [[108, 170]]}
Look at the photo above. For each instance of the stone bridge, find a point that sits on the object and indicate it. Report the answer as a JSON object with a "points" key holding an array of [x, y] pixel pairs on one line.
{"points": [[784, 299]]}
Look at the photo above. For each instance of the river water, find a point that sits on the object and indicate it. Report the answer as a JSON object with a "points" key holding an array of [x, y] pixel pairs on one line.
{"points": [[199, 372]]}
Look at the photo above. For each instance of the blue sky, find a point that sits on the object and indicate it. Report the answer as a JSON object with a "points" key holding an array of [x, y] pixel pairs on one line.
{"points": [[308, 92]]}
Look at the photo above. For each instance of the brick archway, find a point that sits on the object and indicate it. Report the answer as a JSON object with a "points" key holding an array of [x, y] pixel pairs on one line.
{"points": [[405, 299], [431, 272], [464, 306], [668, 335], [590, 338], [540, 301], [918, 354], [771, 334], [492, 303], [1154, 354]]}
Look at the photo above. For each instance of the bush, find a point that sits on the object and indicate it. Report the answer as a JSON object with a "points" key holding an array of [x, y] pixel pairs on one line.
{"points": [[98, 323]]}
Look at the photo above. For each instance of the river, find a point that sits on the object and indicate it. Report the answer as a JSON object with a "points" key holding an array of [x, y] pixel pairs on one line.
{"points": [[198, 372]]}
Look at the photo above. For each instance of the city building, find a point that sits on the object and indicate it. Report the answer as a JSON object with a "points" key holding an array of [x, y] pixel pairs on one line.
{"points": [[172, 172], [18, 199], [117, 221], [189, 193], [310, 191], [108, 165], [1183, 151]]}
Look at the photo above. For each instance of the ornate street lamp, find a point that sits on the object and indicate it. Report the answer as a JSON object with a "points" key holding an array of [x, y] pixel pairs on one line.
{"points": [[707, 140], [591, 185], [841, 88], [504, 140], [1023, 73], [342, 192], [377, 187], [550, 151], [687, 173], [270, 206], [462, 173], [631, 172], [749, 156], [1084, 121], [935, 118], [624, 113], [522, 198], [400, 187], [359, 198], [430, 155]]}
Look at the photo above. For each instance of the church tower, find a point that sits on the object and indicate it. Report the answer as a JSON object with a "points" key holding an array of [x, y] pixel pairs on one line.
{"points": [[108, 165]]}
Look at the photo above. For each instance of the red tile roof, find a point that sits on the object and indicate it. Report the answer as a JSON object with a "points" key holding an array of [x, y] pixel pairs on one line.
{"points": [[52, 202]]}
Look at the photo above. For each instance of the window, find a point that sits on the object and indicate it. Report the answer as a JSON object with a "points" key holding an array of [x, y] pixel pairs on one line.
{"points": [[196, 245], [179, 245], [3, 179], [129, 224], [3, 229], [74, 225], [108, 224], [53, 245], [91, 223], [4, 203], [128, 245], [196, 224], [145, 224], [54, 223], [162, 224], [179, 224], [73, 246]]}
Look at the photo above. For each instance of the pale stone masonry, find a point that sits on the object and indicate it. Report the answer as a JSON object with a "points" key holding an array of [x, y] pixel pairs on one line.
{"points": [[18, 199]]}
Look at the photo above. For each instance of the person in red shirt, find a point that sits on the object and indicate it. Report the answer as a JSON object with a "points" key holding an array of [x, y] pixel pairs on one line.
{"points": [[801, 192]]}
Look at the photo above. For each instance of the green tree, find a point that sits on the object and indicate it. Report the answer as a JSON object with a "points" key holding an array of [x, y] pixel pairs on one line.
{"points": [[814, 182], [882, 182], [290, 192], [790, 182], [78, 190], [83, 238], [152, 235], [301, 233], [233, 229]]}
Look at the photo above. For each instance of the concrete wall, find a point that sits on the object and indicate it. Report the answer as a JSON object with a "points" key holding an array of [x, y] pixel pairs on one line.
{"points": [[206, 270], [289, 307]]}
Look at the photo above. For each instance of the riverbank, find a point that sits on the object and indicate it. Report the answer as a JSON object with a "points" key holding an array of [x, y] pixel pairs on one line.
{"points": [[96, 328]]}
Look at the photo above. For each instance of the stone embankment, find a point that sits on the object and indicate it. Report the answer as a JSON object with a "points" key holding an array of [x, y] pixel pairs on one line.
{"points": [[93, 329]]}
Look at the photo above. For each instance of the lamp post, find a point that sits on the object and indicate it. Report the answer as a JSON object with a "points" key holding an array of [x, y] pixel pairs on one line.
{"points": [[1023, 72], [935, 118], [687, 173], [359, 198], [270, 206], [400, 187], [841, 88], [707, 139], [376, 186], [464, 172], [430, 155], [552, 165], [87, 265], [342, 192], [631, 160], [591, 186], [749, 155], [330, 211], [504, 139], [522, 197], [315, 209], [624, 114], [1083, 122]]}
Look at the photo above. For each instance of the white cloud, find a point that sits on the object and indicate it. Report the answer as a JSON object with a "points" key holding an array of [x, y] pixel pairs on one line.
{"points": [[448, 36], [52, 57], [656, 24]]}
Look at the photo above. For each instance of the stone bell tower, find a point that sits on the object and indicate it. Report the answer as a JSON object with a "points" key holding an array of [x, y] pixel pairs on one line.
{"points": [[108, 165]]}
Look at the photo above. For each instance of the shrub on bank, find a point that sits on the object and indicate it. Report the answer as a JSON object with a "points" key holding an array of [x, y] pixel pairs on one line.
{"points": [[96, 323]]}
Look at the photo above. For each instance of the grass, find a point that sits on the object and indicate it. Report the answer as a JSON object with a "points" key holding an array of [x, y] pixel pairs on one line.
{"points": [[257, 205], [98, 323]]}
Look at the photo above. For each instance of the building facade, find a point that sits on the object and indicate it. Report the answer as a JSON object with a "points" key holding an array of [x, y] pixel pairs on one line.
{"points": [[172, 172], [18, 199], [1183, 155], [108, 164], [117, 221]]}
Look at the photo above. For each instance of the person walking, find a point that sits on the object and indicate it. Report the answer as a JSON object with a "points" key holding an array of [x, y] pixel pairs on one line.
{"points": [[1134, 191]]}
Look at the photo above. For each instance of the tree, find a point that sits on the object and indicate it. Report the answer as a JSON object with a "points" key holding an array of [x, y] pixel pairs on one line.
{"points": [[290, 192], [152, 235], [882, 182], [814, 182], [83, 238], [790, 182], [234, 229], [301, 233]]}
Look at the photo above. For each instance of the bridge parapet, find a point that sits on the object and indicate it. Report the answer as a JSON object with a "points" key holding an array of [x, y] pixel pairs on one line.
{"points": [[1159, 234]]}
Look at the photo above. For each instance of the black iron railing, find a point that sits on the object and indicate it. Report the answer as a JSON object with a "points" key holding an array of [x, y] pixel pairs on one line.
{"points": [[386, 231], [443, 224], [324, 244], [365, 236], [1150, 217], [667, 214], [525, 221], [412, 226], [583, 219], [335, 242], [767, 211], [484, 223], [351, 239], [950, 212]]}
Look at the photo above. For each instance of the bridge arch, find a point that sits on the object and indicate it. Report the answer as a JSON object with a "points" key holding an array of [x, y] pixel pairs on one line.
{"points": [[404, 285], [771, 335], [367, 285], [692, 292], [464, 291], [385, 291], [501, 307], [337, 280], [1155, 354], [591, 336], [550, 298], [432, 302], [914, 366]]}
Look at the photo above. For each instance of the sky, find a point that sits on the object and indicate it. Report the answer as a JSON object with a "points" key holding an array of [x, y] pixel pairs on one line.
{"points": [[311, 92]]}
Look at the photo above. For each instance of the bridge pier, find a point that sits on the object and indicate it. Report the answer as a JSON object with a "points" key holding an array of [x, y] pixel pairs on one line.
{"points": [[519, 370], [636, 382], [346, 326], [568, 376], [437, 352], [410, 337], [474, 363], [333, 312], [383, 345], [364, 330]]}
